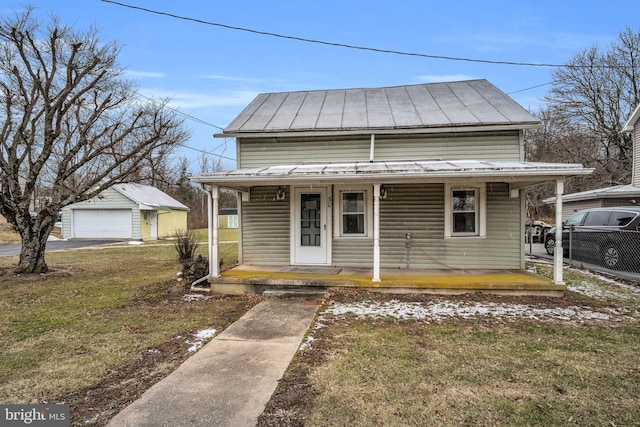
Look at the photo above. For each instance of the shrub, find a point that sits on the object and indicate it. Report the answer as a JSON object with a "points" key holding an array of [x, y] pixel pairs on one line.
{"points": [[194, 269], [186, 244]]}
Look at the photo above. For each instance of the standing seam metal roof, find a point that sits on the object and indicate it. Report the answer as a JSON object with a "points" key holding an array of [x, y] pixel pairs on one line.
{"points": [[433, 105]]}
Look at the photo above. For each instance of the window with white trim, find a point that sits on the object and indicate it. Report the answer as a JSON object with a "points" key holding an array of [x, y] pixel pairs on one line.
{"points": [[464, 211], [353, 211]]}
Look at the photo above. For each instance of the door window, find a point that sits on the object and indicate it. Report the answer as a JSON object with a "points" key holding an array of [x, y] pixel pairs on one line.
{"points": [[310, 219]]}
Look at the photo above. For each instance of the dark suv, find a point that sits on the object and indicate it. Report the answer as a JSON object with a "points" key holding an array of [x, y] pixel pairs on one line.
{"points": [[610, 236]]}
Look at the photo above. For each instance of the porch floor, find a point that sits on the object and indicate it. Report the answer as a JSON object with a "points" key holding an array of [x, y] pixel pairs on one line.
{"points": [[255, 279]]}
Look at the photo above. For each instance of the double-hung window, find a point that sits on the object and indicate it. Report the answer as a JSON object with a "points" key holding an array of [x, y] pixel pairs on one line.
{"points": [[353, 212], [464, 211]]}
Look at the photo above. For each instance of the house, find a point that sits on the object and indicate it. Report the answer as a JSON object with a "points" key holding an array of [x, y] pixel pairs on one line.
{"points": [[125, 211], [413, 180], [618, 195]]}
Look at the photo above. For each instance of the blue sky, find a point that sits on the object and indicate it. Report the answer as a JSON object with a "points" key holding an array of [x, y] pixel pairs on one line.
{"points": [[212, 73]]}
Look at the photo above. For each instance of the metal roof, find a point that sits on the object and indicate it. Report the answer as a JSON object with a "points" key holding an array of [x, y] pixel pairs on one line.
{"points": [[387, 172], [148, 197], [600, 193], [469, 103]]}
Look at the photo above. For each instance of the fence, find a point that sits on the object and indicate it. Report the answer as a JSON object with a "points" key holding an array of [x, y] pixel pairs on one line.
{"points": [[607, 249]]}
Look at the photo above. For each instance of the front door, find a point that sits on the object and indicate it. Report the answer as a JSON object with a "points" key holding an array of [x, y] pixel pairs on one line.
{"points": [[309, 238]]}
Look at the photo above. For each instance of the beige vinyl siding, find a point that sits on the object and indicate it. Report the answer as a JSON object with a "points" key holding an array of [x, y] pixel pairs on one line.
{"points": [[419, 210], [265, 228], [498, 146], [109, 199], [272, 151], [278, 151], [169, 222]]}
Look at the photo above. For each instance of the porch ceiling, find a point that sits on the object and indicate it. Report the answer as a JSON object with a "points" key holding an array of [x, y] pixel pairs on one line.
{"points": [[519, 174]]}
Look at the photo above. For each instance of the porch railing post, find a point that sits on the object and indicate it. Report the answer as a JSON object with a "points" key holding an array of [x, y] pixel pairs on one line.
{"points": [[214, 265], [558, 251], [376, 233]]}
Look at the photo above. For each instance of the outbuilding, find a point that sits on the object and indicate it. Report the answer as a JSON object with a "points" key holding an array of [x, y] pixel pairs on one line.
{"points": [[125, 211]]}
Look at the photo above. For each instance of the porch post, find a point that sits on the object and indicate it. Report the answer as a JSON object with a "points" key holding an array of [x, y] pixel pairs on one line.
{"points": [[558, 251], [214, 265], [376, 233]]}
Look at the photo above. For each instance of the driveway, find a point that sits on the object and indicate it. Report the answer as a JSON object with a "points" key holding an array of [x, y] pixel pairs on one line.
{"points": [[56, 245]]}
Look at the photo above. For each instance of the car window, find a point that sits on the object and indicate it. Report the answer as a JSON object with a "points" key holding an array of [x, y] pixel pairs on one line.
{"points": [[575, 219], [597, 219], [621, 219]]}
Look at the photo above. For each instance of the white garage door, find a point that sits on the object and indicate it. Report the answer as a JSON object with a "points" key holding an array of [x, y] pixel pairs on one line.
{"points": [[102, 223]]}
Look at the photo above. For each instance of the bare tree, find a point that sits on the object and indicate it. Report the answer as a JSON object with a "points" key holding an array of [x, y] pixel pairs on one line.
{"points": [[71, 124], [598, 91]]}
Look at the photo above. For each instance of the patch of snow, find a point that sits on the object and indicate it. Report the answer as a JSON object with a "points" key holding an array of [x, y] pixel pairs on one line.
{"points": [[306, 344], [201, 337], [193, 297], [441, 310], [135, 242]]}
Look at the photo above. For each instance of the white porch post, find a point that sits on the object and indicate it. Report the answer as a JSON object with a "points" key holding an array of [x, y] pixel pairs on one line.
{"points": [[376, 233], [558, 251], [214, 265]]}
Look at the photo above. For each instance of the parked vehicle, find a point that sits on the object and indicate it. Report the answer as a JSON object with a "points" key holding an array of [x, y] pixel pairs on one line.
{"points": [[609, 236]]}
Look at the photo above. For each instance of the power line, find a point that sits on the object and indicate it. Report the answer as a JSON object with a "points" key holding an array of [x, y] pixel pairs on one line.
{"points": [[343, 45], [529, 88]]}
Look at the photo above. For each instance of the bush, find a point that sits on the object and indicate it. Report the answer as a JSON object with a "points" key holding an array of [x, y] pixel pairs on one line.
{"points": [[186, 244], [194, 269]]}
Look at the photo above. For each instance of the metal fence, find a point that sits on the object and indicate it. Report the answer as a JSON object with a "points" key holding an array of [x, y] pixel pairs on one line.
{"points": [[606, 249]]}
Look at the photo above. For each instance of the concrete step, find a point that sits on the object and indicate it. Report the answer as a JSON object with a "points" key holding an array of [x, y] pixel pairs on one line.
{"points": [[297, 293]]}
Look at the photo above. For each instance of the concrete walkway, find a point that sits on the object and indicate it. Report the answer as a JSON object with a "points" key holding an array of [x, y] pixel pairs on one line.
{"points": [[230, 380]]}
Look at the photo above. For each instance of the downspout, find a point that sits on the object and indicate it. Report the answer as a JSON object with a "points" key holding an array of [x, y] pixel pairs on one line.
{"points": [[212, 234], [558, 252]]}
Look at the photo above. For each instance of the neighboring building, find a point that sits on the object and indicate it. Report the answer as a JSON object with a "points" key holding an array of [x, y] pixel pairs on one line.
{"points": [[125, 211], [419, 177], [618, 195]]}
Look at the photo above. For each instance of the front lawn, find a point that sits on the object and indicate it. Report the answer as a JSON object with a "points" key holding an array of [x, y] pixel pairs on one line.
{"points": [[415, 360], [100, 328]]}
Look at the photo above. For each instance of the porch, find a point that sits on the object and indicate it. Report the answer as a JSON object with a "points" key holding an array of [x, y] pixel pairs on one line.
{"points": [[256, 279]]}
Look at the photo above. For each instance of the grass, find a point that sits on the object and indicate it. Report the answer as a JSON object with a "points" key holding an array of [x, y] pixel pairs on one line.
{"points": [[92, 315], [465, 374], [8, 235], [484, 371]]}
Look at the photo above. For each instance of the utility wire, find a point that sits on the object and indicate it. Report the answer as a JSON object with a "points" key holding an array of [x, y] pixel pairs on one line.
{"points": [[343, 45]]}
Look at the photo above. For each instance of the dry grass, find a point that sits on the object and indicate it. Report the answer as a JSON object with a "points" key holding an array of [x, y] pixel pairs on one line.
{"points": [[8, 235], [487, 370], [465, 374], [93, 314]]}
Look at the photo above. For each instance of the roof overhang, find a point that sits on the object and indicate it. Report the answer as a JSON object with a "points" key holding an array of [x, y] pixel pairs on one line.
{"points": [[629, 125], [518, 174], [378, 131], [615, 192]]}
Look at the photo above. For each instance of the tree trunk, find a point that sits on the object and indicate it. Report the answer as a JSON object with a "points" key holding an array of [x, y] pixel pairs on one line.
{"points": [[33, 249]]}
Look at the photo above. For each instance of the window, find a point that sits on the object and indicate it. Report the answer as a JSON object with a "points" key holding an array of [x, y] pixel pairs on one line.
{"points": [[353, 209], [464, 210], [353, 213]]}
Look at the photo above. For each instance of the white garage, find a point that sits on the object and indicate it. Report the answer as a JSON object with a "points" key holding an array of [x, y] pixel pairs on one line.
{"points": [[102, 223], [125, 211]]}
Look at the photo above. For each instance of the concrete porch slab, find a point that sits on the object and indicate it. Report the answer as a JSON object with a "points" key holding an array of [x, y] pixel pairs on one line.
{"points": [[257, 279]]}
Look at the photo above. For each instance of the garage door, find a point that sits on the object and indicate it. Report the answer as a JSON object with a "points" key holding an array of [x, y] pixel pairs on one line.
{"points": [[102, 223]]}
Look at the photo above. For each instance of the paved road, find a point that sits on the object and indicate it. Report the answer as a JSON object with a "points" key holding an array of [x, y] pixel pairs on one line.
{"points": [[537, 250], [56, 245]]}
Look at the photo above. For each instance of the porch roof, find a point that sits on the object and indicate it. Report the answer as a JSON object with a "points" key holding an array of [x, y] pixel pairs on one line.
{"points": [[520, 174]]}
